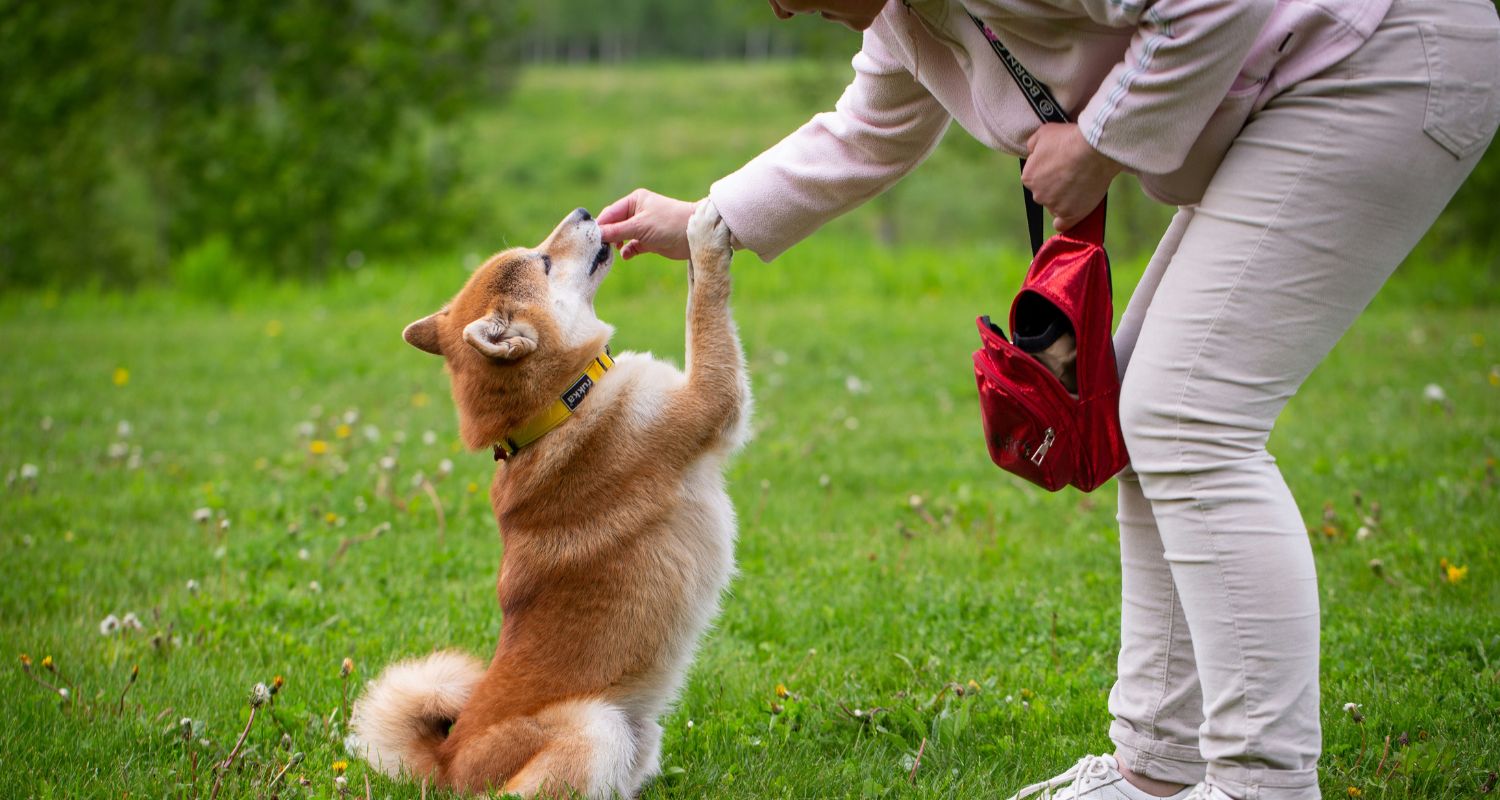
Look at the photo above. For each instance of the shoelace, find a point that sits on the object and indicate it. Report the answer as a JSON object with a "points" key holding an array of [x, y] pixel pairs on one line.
{"points": [[1088, 767]]}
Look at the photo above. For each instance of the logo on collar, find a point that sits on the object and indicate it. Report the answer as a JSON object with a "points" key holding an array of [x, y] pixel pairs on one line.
{"points": [[557, 413]]}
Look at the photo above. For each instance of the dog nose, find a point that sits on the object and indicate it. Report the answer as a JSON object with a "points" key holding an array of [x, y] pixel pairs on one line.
{"points": [[582, 214]]}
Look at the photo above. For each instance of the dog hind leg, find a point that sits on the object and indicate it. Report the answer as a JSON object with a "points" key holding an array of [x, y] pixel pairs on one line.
{"points": [[591, 748]]}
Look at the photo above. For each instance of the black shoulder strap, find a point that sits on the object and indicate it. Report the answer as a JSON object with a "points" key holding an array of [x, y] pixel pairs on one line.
{"points": [[1042, 102]]}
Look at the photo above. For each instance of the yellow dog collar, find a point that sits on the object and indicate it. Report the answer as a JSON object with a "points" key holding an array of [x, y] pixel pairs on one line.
{"points": [[557, 413]]}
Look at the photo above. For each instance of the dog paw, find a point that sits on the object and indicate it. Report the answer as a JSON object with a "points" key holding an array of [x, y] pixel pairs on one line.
{"points": [[707, 233]]}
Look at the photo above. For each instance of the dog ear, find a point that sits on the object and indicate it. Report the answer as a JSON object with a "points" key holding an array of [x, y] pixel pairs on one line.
{"points": [[496, 337], [423, 334]]}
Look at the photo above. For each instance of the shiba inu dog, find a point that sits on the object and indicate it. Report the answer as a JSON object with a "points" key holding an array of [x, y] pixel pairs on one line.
{"points": [[618, 533]]}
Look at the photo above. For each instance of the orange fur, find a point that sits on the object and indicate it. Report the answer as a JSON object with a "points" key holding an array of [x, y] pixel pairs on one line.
{"points": [[618, 534]]}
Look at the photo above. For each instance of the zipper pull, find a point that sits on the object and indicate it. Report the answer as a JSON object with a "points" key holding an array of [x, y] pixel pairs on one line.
{"points": [[1041, 451]]}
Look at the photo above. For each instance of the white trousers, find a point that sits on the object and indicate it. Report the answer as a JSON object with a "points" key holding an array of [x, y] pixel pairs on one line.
{"points": [[1325, 191]]}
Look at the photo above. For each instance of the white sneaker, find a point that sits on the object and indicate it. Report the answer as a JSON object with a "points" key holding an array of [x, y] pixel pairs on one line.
{"points": [[1099, 778], [1205, 792]]}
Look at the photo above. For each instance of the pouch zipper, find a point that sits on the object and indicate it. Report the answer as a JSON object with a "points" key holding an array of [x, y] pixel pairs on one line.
{"points": [[1048, 437]]}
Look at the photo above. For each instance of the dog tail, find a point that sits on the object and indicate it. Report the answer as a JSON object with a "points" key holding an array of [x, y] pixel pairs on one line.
{"points": [[403, 715]]}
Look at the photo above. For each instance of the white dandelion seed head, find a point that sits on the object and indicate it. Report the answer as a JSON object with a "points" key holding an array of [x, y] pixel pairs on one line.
{"points": [[398, 437], [29, 472], [371, 433], [314, 587], [445, 467], [109, 625], [186, 723], [1351, 707], [824, 480], [123, 429], [388, 463], [192, 586], [306, 429], [1363, 533], [851, 423], [1434, 393], [64, 693], [203, 515], [780, 358], [118, 450], [134, 462], [303, 555], [260, 694], [220, 552], [340, 782], [690, 723], [915, 501], [429, 437], [131, 622], [46, 424], [418, 479], [224, 524], [351, 416], [360, 506], [854, 384]]}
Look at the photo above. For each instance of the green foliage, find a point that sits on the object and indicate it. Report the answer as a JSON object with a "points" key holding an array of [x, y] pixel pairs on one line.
{"points": [[302, 132]]}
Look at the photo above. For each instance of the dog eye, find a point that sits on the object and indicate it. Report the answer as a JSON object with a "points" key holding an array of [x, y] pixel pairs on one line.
{"points": [[546, 264]]}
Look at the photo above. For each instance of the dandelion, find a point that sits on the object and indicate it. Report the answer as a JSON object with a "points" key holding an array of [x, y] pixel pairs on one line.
{"points": [[192, 586], [224, 525], [109, 625], [131, 622], [135, 673], [1355, 792], [330, 518], [346, 668], [303, 555], [1453, 573], [64, 693], [1363, 534], [317, 447], [276, 684], [118, 450], [306, 429], [351, 416], [690, 724], [854, 384], [121, 376], [852, 423], [417, 480], [388, 463], [429, 437], [371, 433], [25, 662], [1352, 709], [343, 431], [47, 421], [825, 480], [314, 587], [260, 694], [445, 468], [29, 472], [339, 767], [1434, 393], [419, 400], [782, 691], [473, 487], [341, 784]]}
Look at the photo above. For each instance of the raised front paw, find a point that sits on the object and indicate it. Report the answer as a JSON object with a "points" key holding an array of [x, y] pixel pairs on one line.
{"points": [[708, 237]]}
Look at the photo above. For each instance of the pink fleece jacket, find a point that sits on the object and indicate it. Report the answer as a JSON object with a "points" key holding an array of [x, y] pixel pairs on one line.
{"points": [[1161, 86]]}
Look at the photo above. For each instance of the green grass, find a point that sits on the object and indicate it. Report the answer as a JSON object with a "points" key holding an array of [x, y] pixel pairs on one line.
{"points": [[848, 596]]}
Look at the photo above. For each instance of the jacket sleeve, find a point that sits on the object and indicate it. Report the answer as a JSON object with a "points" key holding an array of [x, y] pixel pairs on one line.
{"points": [[1182, 61], [883, 126]]}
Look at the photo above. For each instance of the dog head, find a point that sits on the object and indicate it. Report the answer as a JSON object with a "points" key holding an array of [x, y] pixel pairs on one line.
{"points": [[521, 329]]}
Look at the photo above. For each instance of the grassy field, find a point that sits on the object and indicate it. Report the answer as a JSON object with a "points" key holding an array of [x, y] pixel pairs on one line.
{"points": [[897, 593]]}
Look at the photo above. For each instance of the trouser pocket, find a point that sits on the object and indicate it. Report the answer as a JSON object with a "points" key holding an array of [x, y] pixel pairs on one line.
{"points": [[1463, 98]]}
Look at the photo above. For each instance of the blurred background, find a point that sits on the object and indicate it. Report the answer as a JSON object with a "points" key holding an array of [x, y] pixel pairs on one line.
{"points": [[202, 143]]}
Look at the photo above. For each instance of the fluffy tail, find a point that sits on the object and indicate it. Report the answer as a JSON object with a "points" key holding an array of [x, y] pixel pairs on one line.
{"points": [[402, 717]]}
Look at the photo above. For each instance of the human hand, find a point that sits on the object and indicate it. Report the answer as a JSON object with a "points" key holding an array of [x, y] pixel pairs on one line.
{"points": [[646, 222], [1065, 174]]}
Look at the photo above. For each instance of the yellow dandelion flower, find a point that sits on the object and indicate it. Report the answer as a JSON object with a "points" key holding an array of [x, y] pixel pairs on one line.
{"points": [[1495, 376], [317, 447], [1476, 339], [473, 487], [25, 662], [330, 518], [339, 767], [262, 462], [1355, 792], [343, 431], [1453, 573], [122, 376], [419, 400], [781, 690], [47, 662], [274, 328]]}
